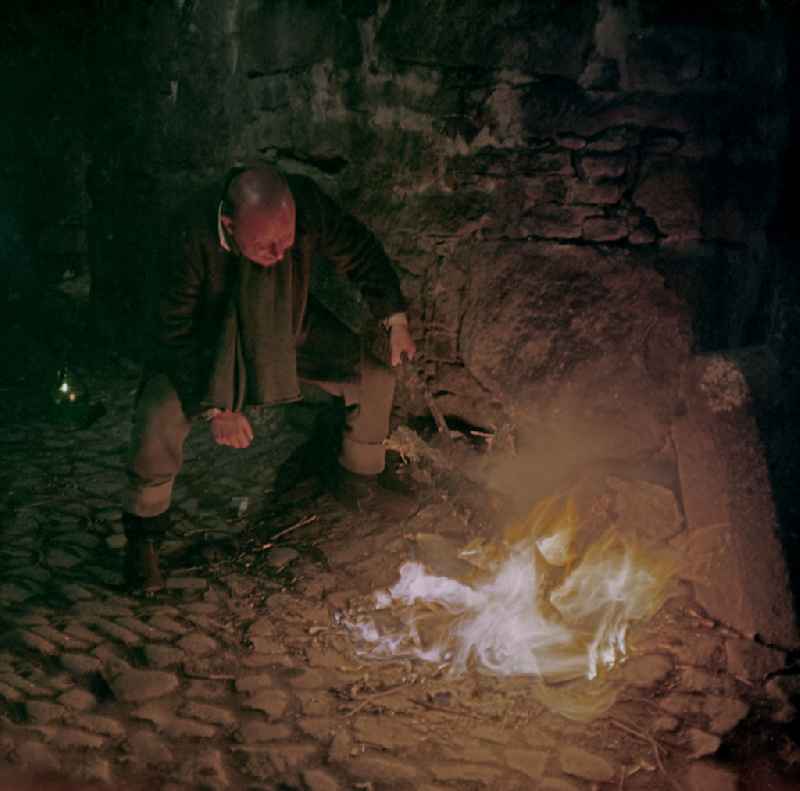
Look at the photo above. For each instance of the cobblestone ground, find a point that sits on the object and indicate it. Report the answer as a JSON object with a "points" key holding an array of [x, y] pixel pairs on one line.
{"points": [[238, 676]]}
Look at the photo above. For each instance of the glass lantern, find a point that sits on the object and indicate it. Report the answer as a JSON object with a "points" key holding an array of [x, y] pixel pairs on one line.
{"points": [[69, 398]]}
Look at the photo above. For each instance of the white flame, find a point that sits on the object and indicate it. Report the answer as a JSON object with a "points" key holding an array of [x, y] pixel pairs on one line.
{"points": [[535, 614]]}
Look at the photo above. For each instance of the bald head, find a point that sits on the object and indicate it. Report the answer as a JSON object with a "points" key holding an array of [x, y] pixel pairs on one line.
{"points": [[260, 214], [258, 187]]}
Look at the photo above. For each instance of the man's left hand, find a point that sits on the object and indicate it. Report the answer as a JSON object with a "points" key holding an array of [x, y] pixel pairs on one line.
{"points": [[401, 343]]}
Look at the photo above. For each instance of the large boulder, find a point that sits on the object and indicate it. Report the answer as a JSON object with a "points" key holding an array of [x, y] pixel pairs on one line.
{"points": [[583, 345]]}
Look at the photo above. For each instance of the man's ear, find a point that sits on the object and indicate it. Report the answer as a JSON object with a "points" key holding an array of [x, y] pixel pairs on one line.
{"points": [[227, 222]]}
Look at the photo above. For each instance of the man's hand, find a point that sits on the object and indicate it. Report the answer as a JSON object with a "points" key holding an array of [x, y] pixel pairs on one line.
{"points": [[401, 344], [232, 429]]}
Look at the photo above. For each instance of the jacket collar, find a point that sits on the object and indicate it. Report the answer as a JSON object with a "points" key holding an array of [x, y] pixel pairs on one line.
{"points": [[221, 233]]}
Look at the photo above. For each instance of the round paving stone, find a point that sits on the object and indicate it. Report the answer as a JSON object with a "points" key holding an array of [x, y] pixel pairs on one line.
{"points": [[273, 702], [557, 784], [205, 769], [187, 583], [320, 780], [528, 762], [278, 558], [9, 694], [81, 664], [214, 715], [197, 644], [60, 559], [41, 712], [581, 763], [97, 770], [136, 686], [33, 755], [645, 671], [254, 731], [290, 756], [161, 656], [254, 681], [149, 749], [702, 743], [78, 700], [72, 738], [308, 679], [105, 726]]}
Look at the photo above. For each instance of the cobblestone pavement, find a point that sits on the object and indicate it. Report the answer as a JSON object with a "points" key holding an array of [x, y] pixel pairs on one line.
{"points": [[238, 676]]}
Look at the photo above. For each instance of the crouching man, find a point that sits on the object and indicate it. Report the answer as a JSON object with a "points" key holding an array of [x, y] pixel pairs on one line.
{"points": [[238, 327]]}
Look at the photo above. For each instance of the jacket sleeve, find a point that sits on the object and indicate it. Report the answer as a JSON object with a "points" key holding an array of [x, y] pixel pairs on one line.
{"points": [[355, 252], [177, 341]]}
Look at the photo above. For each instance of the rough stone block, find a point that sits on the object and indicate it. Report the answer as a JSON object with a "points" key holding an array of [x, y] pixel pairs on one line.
{"points": [[605, 193], [605, 229], [731, 549], [670, 193], [604, 166], [552, 221]]}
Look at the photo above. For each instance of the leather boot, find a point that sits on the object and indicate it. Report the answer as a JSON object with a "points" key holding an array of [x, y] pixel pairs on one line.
{"points": [[144, 535], [371, 493]]}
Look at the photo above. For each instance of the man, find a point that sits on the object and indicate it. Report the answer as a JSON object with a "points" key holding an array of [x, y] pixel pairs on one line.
{"points": [[238, 327]]}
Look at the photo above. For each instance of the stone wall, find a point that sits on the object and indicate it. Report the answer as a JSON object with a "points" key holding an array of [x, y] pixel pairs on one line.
{"points": [[573, 192]]}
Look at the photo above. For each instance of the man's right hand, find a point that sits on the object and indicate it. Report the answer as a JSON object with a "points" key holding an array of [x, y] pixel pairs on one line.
{"points": [[232, 429]]}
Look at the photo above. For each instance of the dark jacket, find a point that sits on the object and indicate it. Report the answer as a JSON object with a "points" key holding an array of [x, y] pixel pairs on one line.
{"points": [[200, 274]]}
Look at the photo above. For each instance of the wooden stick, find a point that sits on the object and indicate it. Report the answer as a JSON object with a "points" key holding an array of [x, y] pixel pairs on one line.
{"points": [[646, 737], [302, 523], [374, 696], [416, 380]]}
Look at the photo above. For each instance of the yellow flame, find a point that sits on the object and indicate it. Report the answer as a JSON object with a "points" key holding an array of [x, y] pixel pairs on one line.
{"points": [[534, 604]]}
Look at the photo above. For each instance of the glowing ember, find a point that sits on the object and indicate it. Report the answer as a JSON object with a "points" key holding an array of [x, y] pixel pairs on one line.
{"points": [[537, 603]]}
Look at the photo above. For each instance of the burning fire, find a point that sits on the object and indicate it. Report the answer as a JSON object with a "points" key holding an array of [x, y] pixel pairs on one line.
{"points": [[544, 601]]}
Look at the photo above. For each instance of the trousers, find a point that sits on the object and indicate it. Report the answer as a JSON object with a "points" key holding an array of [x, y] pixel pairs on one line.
{"points": [[160, 429]]}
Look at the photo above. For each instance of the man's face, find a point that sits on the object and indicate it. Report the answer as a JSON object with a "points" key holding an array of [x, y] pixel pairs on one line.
{"points": [[264, 234]]}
